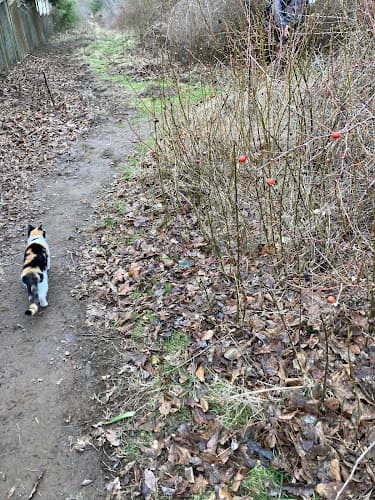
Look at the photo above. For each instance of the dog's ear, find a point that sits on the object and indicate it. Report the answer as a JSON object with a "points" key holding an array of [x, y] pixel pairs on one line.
{"points": [[29, 229]]}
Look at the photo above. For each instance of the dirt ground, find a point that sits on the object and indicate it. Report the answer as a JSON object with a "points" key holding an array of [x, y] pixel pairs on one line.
{"points": [[47, 363]]}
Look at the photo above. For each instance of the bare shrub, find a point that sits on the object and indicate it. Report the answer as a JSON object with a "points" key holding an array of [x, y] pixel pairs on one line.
{"points": [[201, 27], [318, 213], [144, 17], [209, 29]]}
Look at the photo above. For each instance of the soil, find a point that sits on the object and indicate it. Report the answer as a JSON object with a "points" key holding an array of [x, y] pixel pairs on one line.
{"points": [[47, 362]]}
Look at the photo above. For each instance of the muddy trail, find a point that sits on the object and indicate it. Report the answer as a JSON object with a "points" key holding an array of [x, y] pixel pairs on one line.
{"points": [[48, 363]]}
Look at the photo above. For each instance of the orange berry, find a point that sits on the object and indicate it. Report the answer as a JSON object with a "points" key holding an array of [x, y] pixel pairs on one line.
{"points": [[242, 158], [331, 299], [271, 181], [335, 135]]}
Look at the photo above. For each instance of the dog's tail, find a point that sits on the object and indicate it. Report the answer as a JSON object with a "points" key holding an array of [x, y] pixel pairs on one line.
{"points": [[31, 281]]}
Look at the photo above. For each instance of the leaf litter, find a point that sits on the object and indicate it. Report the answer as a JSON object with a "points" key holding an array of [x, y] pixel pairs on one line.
{"points": [[278, 404], [217, 398], [35, 130]]}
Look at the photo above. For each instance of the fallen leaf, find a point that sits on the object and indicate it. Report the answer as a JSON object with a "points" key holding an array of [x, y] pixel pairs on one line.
{"points": [[204, 404], [150, 480], [200, 373], [11, 492], [208, 335], [86, 482], [334, 468], [134, 270], [113, 437], [122, 416], [223, 494], [155, 450], [328, 490], [332, 404], [305, 491], [113, 486], [200, 485], [212, 443], [237, 481], [140, 221], [232, 354], [179, 455], [124, 289], [165, 408], [200, 417], [119, 276], [81, 443], [189, 475]]}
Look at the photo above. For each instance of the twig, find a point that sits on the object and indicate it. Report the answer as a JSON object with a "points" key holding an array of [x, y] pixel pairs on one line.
{"points": [[324, 389], [36, 484], [358, 461], [338, 296], [249, 394], [49, 90], [238, 239]]}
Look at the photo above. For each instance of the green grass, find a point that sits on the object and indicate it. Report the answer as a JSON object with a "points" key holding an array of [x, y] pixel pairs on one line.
{"points": [[127, 172], [172, 377], [182, 416], [155, 105], [114, 45], [228, 402], [149, 96], [177, 342], [97, 64], [132, 445], [110, 222], [121, 207], [146, 317], [255, 483], [127, 82], [130, 168], [195, 92], [233, 416], [132, 238]]}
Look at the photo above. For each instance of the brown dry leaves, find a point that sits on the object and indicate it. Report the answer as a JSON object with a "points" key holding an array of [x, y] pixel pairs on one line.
{"points": [[158, 278], [36, 132]]}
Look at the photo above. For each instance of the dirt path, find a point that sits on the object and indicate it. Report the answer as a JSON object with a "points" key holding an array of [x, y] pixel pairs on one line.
{"points": [[46, 364]]}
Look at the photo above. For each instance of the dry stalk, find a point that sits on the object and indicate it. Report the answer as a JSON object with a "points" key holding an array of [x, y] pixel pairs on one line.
{"points": [[326, 359], [351, 475]]}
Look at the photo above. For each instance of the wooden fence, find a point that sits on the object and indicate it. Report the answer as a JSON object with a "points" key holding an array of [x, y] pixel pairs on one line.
{"points": [[23, 26]]}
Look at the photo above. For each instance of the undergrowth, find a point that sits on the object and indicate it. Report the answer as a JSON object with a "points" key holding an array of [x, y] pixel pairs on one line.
{"points": [[268, 152], [303, 124]]}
